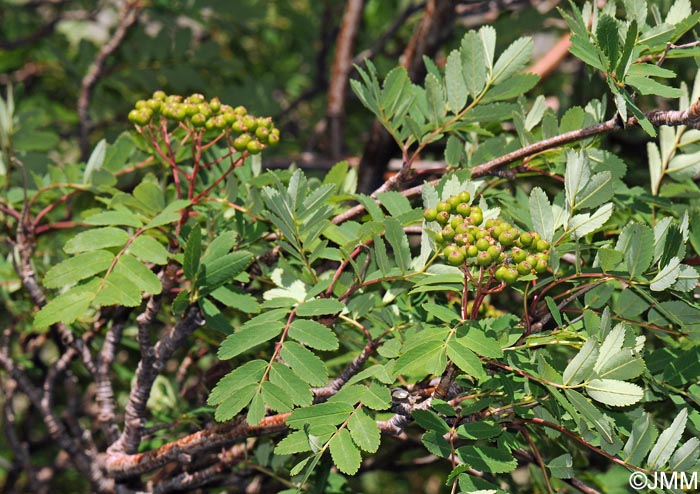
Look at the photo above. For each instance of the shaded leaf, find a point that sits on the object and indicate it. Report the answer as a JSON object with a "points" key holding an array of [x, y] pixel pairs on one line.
{"points": [[667, 442], [345, 454], [78, 268], [364, 431], [304, 363]]}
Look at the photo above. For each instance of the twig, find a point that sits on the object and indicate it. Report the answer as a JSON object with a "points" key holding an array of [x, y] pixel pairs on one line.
{"points": [[342, 65], [123, 465], [127, 17], [353, 368], [152, 362]]}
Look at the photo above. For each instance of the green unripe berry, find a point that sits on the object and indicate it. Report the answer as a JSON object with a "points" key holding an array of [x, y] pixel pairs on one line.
{"points": [[484, 259], [476, 216], [506, 238], [159, 95], [482, 244], [500, 273], [479, 233], [494, 251], [240, 143], [254, 147], [154, 104], [461, 227], [510, 276], [191, 109], [464, 196], [455, 258], [273, 139], [262, 133], [430, 214], [198, 120], [215, 105], [139, 117], [526, 239], [531, 260], [237, 126], [460, 239], [449, 249], [443, 206], [456, 220], [453, 201], [250, 123], [442, 217], [524, 268], [542, 245], [464, 209], [518, 254], [472, 251], [448, 233], [438, 238], [541, 266], [140, 104]]}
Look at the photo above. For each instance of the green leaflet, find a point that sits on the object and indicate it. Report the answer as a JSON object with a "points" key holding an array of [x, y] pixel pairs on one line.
{"points": [[319, 307], [313, 334], [304, 363], [613, 392], [364, 431], [68, 306], [345, 454], [78, 268], [667, 441], [581, 366], [95, 239], [641, 439], [193, 251], [249, 337]]}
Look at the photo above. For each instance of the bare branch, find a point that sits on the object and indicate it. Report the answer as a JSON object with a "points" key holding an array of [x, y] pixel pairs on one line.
{"points": [[342, 65], [127, 17]]}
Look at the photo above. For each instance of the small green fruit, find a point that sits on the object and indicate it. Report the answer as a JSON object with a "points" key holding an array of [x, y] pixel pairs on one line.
{"points": [[442, 217], [484, 259], [482, 244], [526, 239], [254, 147], [524, 268], [240, 143], [455, 258], [464, 196], [464, 209], [443, 206], [430, 214]]}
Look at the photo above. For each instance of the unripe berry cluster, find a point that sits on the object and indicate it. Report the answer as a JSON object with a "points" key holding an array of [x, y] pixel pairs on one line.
{"points": [[466, 240], [249, 133]]}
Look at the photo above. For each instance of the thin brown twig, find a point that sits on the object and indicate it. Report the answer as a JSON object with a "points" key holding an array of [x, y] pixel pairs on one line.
{"points": [[127, 18]]}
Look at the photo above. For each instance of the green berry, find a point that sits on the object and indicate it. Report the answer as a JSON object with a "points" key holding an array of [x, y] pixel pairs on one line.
{"points": [[500, 273], [443, 206], [464, 196], [442, 217], [518, 254], [159, 95], [506, 238], [215, 105], [430, 214], [140, 117], [464, 209], [250, 123], [482, 244], [273, 139], [455, 258], [472, 251], [262, 133], [542, 245], [198, 120], [456, 220], [240, 143], [541, 266], [254, 147], [453, 201], [460, 239], [524, 268], [476, 216], [494, 251], [526, 239], [448, 233], [484, 259], [510, 276]]}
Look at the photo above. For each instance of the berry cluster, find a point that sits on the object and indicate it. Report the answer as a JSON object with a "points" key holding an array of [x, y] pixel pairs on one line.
{"points": [[496, 245], [252, 134]]}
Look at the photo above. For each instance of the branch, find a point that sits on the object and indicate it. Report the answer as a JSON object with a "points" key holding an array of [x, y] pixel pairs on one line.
{"points": [[353, 368], [122, 465], [152, 362], [342, 65], [127, 17], [672, 118]]}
